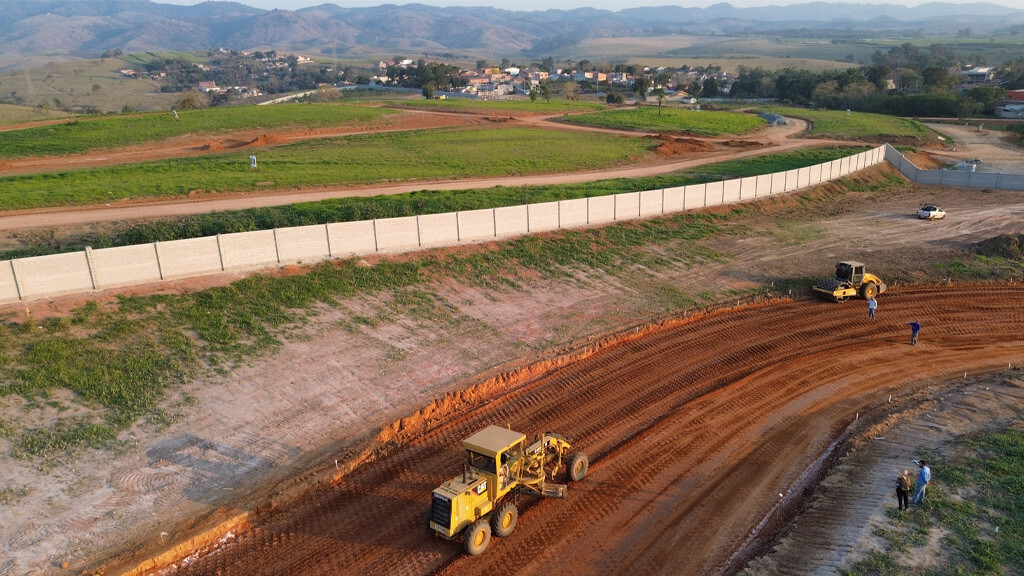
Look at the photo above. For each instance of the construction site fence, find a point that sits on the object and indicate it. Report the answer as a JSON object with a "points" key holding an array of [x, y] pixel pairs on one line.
{"points": [[955, 178], [38, 277]]}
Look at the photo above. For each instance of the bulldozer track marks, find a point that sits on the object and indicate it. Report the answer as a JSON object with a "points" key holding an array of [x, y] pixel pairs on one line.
{"points": [[693, 432]]}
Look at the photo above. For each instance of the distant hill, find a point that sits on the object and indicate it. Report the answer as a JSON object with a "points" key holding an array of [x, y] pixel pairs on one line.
{"points": [[89, 28]]}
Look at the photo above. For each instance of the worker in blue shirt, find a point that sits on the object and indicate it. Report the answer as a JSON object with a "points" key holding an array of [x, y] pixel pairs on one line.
{"points": [[923, 478], [872, 304], [915, 327]]}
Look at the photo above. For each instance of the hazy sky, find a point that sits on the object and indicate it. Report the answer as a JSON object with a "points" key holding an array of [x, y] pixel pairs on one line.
{"points": [[528, 5]]}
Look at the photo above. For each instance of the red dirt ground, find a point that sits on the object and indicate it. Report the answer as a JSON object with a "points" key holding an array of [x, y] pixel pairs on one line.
{"points": [[691, 445]]}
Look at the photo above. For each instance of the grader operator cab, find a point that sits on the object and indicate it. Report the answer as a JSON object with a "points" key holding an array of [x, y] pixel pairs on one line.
{"points": [[500, 466], [850, 280]]}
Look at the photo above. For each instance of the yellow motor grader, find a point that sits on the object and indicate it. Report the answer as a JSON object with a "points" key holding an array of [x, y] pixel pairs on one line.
{"points": [[500, 467]]}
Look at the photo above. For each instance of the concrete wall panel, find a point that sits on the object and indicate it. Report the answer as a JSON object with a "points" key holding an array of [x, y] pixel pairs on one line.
{"points": [[983, 180], [248, 250], [675, 199], [748, 187], [791, 180], [125, 265], [731, 191], [764, 185], [348, 239], [303, 244], [652, 203], [511, 221], [475, 225], [8, 286], [696, 196], [955, 177], [41, 276], [814, 175], [543, 217], [627, 206], [573, 213], [189, 257], [929, 176], [601, 209], [778, 182], [803, 177], [714, 192], [397, 234], [439, 229]]}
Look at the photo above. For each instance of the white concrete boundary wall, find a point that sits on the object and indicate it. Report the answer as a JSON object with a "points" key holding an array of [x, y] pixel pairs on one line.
{"points": [[45, 276]]}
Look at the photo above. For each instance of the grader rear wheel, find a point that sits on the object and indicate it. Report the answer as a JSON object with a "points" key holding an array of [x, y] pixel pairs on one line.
{"points": [[503, 522], [478, 536]]}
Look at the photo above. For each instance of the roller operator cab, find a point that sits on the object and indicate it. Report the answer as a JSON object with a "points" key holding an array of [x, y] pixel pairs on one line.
{"points": [[499, 467]]}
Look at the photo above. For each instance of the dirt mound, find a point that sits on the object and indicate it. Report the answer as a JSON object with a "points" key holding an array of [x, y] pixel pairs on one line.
{"points": [[207, 146], [263, 140], [676, 146], [1009, 246], [922, 160], [745, 144]]}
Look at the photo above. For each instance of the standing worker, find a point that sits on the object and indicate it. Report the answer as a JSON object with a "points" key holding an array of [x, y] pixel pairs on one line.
{"points": [[915, 327], [872, 304], [924, 477], [903, 491]]}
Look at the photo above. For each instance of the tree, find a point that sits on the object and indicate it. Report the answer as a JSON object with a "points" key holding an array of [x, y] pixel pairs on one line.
{"points": [[545, 91], [480, 64], [615, 98], [191, 100], [571, 91], [659, 93], [428, 91], [533, 94], [710, 88], [988, 97], [641, 84]]}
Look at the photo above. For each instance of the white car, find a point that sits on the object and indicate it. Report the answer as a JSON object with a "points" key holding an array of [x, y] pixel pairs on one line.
{"points": [[930, 212]]}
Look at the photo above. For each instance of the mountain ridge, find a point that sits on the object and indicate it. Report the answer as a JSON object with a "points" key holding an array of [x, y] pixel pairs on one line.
{"points": [[86, 29]]}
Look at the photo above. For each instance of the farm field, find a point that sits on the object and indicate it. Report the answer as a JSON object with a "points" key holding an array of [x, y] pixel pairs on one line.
{"points": [[361, 406]]}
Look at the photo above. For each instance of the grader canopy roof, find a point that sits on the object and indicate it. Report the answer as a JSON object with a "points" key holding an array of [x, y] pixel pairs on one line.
{"points": [[492, 440]]}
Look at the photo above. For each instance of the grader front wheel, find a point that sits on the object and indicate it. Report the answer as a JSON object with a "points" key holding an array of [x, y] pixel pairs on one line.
{"points": [[478, 536], [503, 522], [578, 466]]}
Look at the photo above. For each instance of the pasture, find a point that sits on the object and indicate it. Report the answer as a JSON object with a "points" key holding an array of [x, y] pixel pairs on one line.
{"points": [[855, 125], [664, 119], [352, 160]]}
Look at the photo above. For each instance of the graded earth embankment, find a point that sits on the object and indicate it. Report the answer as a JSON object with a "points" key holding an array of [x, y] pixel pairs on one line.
{"points": [[696, 431]]}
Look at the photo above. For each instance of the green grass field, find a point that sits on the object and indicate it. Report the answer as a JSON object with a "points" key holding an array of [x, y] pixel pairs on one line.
{"points": [[509, 107], [11, 114], [665, 119], [99, 132], [855, 125], [353, 160]]}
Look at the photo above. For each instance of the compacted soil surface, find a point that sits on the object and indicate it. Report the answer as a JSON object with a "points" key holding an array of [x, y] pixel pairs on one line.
{"points": [[707, 431]]}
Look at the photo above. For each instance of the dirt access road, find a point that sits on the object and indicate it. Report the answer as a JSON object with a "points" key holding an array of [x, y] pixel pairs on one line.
{"points": [[692, 446]]}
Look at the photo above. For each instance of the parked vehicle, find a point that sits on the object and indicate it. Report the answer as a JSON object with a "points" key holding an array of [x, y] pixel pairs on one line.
{"points": [[930, 212]]}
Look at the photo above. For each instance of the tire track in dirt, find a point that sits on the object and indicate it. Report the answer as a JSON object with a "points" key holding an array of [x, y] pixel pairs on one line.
{"points": [[693, 432]]}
